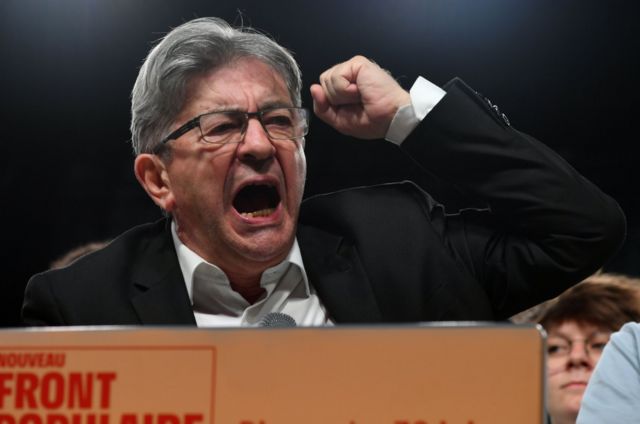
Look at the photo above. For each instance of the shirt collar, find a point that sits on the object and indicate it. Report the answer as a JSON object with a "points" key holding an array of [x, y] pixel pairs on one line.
{"points": [[189, 261]]}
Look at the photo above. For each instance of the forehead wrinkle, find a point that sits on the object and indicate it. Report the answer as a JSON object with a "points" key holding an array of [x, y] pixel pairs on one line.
{"points": [[224, 98], [263, 106]]}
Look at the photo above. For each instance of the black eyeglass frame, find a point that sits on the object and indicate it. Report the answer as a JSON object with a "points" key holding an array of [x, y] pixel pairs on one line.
{"points": [[588, 343], [195, 122]]}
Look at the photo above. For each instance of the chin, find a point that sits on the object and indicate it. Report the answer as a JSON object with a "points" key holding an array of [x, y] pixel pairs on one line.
{"points": [[267, 249], [573, 406]]}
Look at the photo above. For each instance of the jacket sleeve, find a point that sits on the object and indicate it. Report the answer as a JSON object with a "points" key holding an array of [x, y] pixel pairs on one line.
{"points": [[548, 227], [40, 307]]}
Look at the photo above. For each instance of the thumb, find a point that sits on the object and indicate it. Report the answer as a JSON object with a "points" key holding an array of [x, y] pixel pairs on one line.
{"points": [[320, 101], [321, 105]]}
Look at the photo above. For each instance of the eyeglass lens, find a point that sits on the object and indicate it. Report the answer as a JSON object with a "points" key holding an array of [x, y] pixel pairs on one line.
{"points": [[558, 346], [229, 127]]}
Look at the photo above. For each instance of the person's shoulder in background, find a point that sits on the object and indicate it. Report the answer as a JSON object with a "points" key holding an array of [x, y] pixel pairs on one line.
{"points": [[613, 393]]}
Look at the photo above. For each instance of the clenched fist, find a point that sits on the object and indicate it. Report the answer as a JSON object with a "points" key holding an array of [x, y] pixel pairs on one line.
{"points": [[358, 98]]}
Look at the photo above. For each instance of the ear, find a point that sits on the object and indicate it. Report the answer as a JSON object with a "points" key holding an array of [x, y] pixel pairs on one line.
{"points": [[152, 175]]}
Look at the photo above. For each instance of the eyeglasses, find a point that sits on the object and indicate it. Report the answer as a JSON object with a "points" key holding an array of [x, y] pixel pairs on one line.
{"points": [[280, 123], [560, 347]]}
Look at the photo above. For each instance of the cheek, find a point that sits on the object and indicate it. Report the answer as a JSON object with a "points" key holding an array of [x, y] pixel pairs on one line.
{"points": [[302, 167], [554, 380], [294, 165], [556, 367], [198, 180]]}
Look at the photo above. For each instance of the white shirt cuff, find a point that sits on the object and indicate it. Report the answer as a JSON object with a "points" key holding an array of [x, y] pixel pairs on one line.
{"points": [[424, 97]]}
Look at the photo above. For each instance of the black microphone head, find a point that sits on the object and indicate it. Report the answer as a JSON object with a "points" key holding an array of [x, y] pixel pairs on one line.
{"points": [[277, 319]]}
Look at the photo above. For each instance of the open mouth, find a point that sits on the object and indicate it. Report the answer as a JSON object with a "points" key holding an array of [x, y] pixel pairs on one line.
{"points": [[257, 200]]}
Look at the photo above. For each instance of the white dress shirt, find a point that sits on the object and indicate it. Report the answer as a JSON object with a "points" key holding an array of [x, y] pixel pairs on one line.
{"points": [[286, 286]]}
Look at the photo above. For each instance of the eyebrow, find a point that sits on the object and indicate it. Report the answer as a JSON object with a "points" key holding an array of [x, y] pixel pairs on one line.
{"points": [[566, 337], [267, 105]]}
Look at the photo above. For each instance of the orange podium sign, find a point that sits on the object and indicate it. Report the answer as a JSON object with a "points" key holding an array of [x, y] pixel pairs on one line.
{"points": [[431, 374]]}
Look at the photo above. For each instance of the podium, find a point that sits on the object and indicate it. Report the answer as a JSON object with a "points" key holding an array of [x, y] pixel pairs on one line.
{"points": [[447, 373]]}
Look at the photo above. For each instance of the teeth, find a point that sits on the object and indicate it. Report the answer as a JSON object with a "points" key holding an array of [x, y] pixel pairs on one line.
{"points": [[260, 213]]}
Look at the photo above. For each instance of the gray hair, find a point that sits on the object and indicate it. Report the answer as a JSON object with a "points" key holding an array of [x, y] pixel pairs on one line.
{"points": [[191, 49]]}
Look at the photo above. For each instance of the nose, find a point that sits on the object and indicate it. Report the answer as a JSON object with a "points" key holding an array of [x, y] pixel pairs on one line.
{"points": [[256, 145], [578, 355]]}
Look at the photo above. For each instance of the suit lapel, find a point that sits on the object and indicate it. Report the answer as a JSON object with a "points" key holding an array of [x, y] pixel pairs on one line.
{"points": [[331, 262], [334, 270], [160, 296], [164, 303]]}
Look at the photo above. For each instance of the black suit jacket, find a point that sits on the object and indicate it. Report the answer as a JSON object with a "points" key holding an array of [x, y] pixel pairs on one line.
{"points": [[389, 253]]}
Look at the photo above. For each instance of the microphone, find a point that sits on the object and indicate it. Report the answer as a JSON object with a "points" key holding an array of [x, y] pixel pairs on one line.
{"points": [[277, 319]]}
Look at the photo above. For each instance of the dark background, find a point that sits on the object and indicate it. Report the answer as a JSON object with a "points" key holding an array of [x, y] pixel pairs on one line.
{"points": [[563, 71]]}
